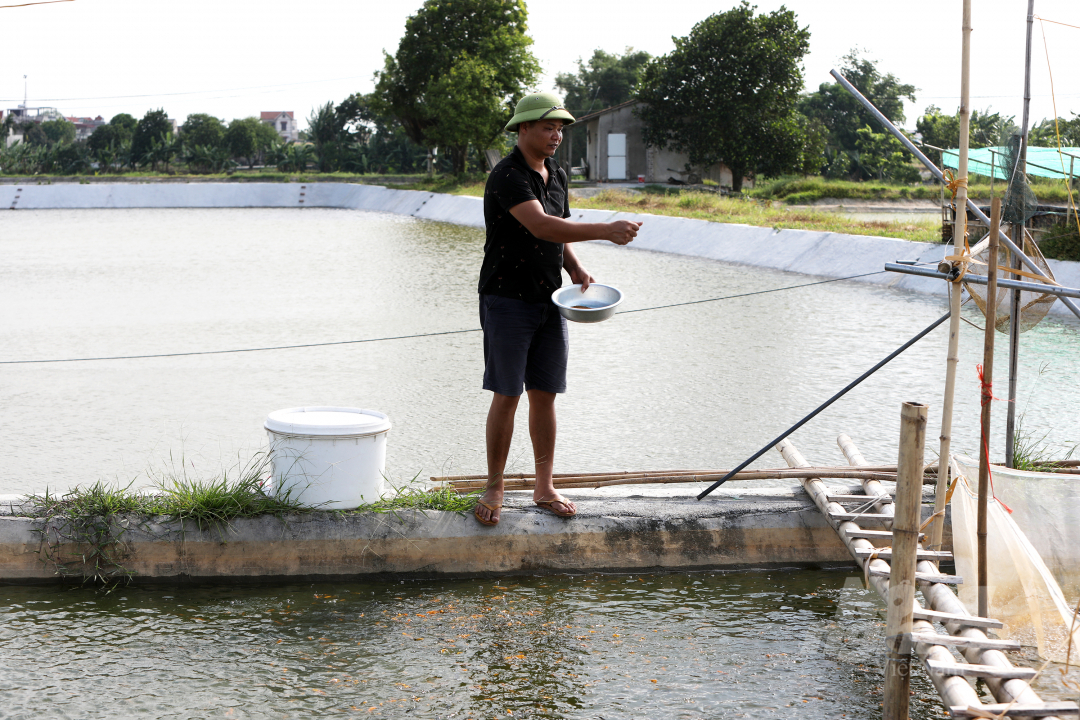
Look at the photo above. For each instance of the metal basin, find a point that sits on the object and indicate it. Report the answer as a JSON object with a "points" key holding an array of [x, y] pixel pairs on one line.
{"points": [[595, 304]]}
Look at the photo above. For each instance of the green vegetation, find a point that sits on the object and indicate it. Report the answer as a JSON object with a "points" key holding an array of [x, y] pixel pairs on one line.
{"points": [[1062, 241], [805, 190], [740, 109], [413, 498], [457, 74], [85, 533], [856, 146], [710, 206], [1031, 452], [608, 79]]}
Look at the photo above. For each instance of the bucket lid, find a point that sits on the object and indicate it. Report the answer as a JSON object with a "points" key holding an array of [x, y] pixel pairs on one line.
{"points": [[327, 421]]}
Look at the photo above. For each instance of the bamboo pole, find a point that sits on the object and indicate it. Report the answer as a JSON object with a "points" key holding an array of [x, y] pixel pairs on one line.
{"points": [[987, 394], [953, 690], [955, 288], [952, 687], [905, 545], [887, 468], [467, 486]]}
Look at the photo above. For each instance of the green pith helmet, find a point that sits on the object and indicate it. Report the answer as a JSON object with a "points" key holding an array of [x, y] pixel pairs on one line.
{"points": [[539, 106]]}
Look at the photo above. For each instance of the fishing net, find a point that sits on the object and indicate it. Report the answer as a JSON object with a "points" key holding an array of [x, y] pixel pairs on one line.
{"points": [[1019, 204], [1033, 305], [1034, 553]]}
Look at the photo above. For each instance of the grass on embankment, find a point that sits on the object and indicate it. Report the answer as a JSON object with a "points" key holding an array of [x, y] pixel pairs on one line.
{"points": [[803, 191], [657, 200]]}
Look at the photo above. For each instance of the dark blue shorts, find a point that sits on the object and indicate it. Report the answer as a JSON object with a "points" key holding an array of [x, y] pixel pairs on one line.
{"points": [[524, 344]]}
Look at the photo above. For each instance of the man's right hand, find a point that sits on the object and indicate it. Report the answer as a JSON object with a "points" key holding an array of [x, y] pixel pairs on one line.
{"points": [[621, 232]]}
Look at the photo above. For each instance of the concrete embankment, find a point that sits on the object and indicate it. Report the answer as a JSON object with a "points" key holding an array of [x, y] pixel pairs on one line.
{"points": [[638, 528], [810, 252]]}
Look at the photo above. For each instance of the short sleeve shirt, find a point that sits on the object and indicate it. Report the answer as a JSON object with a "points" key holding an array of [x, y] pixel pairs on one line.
{"points": [[517, 264]]}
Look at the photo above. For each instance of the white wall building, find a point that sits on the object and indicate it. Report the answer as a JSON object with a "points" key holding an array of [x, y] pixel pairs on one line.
{"points": [[283, 123]]}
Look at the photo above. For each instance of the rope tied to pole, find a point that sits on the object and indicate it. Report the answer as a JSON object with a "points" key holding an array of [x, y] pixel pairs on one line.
{"points": [[987, 394], [954, 183]]}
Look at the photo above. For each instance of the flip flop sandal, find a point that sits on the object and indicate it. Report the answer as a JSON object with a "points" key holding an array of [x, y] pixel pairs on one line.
{"points": [[493, 508], [550, 506]]}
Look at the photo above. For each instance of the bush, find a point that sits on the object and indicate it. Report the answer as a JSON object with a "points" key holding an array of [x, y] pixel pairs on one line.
{"points": [[1062, 241]]}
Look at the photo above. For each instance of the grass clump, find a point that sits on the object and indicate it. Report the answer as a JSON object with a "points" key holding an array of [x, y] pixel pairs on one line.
{"points": [[84, 533], [411, 497], [1031, 452]]}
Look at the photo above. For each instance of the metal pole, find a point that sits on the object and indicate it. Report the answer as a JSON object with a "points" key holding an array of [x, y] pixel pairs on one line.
{"points": [[901, 596], [981, 280], [824, 405], [1028, 262], [987, 396], [1014, 352], [952, 359], [1018, 238]]}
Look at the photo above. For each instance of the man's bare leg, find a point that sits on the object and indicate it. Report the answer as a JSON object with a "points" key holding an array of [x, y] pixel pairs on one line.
{"points": [[542, 431], [500, 430]]}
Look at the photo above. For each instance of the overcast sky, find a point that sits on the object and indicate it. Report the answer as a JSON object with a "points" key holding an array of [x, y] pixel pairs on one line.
{"points": [[234, 58]]}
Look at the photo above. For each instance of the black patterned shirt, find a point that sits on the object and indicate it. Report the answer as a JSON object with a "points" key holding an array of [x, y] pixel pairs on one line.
{"points": [[517, 264]]}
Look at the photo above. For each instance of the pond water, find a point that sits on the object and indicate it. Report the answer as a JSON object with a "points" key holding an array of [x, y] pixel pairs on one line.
{"points": [[697, 387], [741, 645]]}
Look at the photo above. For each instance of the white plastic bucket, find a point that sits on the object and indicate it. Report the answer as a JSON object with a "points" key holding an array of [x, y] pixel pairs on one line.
{"points": [[330, 457]]}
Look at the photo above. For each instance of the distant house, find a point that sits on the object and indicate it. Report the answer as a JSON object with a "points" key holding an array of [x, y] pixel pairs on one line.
{"points": [[283, 123], [617, 153], [85, 126]]}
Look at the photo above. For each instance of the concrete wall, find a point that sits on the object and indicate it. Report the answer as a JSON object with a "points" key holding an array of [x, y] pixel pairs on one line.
{"points": [[810, 252], [754, 529]]}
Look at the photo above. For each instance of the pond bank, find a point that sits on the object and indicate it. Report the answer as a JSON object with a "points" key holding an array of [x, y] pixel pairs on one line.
{"points": [[824, 254], [628, 528]]}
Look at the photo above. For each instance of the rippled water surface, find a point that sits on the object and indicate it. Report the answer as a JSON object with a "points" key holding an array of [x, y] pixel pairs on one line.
{"points": [[699, 386], [743, 645]]}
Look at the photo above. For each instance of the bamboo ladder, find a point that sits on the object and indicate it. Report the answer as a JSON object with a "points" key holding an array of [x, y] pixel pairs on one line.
{"points": [[983, 657]]}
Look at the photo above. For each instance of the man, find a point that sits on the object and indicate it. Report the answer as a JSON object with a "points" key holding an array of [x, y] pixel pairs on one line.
{"points": [[526, 203]]}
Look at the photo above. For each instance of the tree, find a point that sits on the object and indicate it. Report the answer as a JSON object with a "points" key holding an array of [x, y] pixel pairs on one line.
{"points": [[249, 138], [881, 155], [607, 80], [1045, 134], [154, 127], [125, 122], [468, 111], [488, 34], [943, 131], [844, 116], [727, 93], [203, 130], [59, 132]]}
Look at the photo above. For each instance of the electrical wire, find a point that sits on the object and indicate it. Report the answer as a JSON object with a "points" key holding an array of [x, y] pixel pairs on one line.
{"points": [[416, 336], [40, 2]]}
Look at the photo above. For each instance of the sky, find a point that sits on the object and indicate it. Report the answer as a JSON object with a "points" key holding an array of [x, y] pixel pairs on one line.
{"points": [[235, 58]]}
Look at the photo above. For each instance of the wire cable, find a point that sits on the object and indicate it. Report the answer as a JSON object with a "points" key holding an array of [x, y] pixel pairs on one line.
{"points": [[415, 336]]}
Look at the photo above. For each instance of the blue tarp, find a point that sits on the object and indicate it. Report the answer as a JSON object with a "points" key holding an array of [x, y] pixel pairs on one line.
{"points": [[1043, 162]]}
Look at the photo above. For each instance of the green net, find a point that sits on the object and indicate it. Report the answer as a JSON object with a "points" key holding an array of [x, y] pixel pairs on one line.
{"points": [[1019, 204]]}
